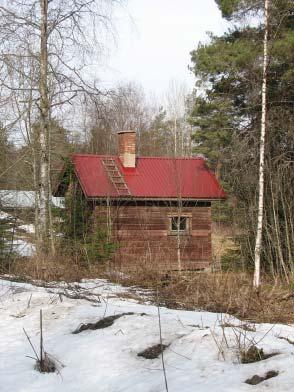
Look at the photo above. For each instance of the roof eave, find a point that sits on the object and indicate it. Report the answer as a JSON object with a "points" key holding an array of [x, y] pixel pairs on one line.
{"points": [[157, 198]]}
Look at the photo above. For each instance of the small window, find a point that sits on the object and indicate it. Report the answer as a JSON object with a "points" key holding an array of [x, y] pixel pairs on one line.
{"points": [[179, 224]]}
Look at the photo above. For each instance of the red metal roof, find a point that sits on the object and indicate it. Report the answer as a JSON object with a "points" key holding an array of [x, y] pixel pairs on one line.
{"points": [[161, 178]]}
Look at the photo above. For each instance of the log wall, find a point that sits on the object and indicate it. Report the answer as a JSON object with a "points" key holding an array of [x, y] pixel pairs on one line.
{"points": [[144, 238]]}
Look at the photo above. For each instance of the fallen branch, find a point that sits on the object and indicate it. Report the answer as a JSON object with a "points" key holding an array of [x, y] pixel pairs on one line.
{"points": [[90, 297], [287, 339], [102, 323]]}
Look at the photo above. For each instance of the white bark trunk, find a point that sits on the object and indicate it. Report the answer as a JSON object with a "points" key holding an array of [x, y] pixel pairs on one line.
{"points": [[36, 172], [179, 255], [44, 186], [190, 141], [258, 242], [179, 259], [175, 137]]}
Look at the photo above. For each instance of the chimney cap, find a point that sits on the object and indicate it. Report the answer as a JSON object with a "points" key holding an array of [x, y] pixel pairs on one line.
{"points": [[126, 131]]}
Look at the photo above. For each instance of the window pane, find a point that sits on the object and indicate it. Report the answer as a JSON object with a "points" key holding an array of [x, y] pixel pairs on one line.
{"points": [[179, 223], [183, 223], [174, 223]]}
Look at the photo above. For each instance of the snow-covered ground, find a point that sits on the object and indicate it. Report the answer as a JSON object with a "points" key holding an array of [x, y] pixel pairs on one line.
{"points": [[28, 228], [201, 355], [20, 241], [23, 247]]}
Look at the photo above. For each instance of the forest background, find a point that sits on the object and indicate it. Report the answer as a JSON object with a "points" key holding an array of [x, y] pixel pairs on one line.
{"points": [[219, 119]]}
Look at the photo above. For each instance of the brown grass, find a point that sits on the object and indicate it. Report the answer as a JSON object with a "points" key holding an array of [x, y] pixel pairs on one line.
{"points": [[222, 240], [153, 352], [254, 354], [223, 292], [55, 268], [229, 292]]}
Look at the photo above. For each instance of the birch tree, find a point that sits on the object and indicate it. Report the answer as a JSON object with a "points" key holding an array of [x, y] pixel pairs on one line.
{"points": [[258, 241], [175, 103], [45, 225], [55, 39]]}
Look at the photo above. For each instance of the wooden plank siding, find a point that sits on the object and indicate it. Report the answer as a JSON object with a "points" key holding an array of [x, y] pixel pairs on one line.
{"points": [[143, 235]]}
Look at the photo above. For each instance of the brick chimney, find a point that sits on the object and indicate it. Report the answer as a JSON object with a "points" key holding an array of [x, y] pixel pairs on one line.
{"points": [[127, 148]]}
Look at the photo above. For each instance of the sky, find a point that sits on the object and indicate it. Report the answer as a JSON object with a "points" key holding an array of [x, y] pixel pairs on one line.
{"points": [[154, 39]]}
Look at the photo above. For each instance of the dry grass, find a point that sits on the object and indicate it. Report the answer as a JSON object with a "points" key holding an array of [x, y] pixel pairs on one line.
{"points": [[47, 365], [228, 292], [254, 354], [223, 292], [55, 268], [222, 241], [233, 293], [153, 351]]}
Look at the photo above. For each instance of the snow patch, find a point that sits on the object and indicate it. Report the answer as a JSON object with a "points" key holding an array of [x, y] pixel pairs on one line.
{"points": [[29, 228], [23, 248], [106, 360]]}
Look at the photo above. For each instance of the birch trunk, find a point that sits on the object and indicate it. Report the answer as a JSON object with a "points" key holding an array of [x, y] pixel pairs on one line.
{"points": [[36, 173], [179, 259], [175, 137], [190, 141], [44, 184], [258, 241]]}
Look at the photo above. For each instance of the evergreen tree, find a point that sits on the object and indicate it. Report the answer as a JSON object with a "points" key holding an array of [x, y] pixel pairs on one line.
{"points": [[227, 116], [6, 241], [83, 233], [5, 157]]}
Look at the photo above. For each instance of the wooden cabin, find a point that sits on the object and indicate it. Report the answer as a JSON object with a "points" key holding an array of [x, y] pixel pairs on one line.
{"points": [[158, 210]]}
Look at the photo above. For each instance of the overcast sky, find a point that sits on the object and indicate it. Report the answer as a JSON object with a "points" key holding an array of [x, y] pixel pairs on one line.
{"points": [[154, 39]]}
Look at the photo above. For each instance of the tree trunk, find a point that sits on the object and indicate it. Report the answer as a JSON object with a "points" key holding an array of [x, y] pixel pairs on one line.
{"points": [[44, 184], [179, 259], [218, 169], [258, 241], [36, 176], [175, 137]]}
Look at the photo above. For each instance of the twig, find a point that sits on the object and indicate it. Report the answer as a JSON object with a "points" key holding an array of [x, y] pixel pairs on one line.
{"points": [[287, 339], [77, 296], [29, 302], [181, 355], [160, 337], [28, 356], [31, 344], [41, 339], [221, 351], [105, 310]]}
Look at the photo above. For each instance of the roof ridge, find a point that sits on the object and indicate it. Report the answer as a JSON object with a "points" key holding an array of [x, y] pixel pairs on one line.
{"points": [[94, 155], [139, 157], [170, 158]]}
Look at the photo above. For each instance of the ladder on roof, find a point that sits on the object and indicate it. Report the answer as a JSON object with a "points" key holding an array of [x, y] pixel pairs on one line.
{"points": [[116, 177]]}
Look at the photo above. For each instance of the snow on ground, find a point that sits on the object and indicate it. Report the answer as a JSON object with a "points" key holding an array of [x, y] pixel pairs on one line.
{"points": [[21, 244], [23, 247], [29, 228], [106, 360], [4, 215]]}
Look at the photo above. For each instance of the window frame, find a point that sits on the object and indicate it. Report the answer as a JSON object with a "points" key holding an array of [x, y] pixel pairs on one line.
{"points": [[188, 218]]}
